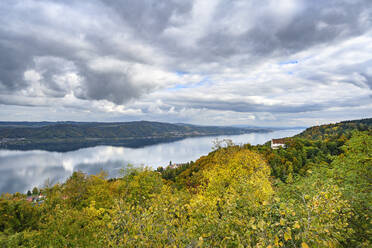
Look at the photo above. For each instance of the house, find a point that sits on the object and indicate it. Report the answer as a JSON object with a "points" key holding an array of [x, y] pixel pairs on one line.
{"points": [[36, 199], [276, 143], [174, 166]]}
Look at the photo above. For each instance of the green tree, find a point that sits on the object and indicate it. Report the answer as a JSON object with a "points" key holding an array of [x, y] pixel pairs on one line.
{"points": [[35, 191]]}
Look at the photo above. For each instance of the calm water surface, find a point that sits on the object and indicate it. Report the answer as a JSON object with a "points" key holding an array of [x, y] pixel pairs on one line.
{"points": [[22, 170]]}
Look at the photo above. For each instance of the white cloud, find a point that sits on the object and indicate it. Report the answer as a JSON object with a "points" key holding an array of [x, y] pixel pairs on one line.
{"points": [[207, 62]]}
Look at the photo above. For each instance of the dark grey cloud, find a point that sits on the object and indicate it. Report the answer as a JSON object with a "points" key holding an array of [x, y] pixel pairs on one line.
{"points": [[51, 49], [310, 24], [251, 107], [368, 80], [148, 18], [325, 22], [13, 62], [113, 86]]}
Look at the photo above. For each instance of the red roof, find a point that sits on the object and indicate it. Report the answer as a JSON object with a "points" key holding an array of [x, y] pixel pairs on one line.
{"points": [[278, 141]]}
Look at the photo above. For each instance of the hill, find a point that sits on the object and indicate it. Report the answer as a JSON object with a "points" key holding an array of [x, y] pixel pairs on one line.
{"points": [[66, 136], [336, 130]]}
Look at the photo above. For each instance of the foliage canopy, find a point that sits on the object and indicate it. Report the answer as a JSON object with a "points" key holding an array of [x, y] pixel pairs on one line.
{"points": [[315, 193]]}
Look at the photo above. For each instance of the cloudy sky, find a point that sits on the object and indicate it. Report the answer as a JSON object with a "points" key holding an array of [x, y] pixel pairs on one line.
{"points": [[254, 62]]}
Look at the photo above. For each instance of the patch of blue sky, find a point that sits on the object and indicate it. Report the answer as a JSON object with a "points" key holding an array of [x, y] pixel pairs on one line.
{"points": [[203, 82], [289, 62], [178, 87], [181, 73]]}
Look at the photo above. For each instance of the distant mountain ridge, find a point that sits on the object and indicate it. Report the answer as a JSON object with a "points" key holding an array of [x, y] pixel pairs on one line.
{"points": [[64, 136]]}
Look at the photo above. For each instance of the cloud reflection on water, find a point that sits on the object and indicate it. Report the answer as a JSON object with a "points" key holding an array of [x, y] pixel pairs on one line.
{"points": [[22, 170]]}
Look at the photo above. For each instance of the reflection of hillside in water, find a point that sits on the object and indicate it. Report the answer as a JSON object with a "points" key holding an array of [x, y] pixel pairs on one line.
{"points": [[22, 170]]}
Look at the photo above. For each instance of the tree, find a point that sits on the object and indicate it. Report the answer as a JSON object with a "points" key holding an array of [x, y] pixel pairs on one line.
{"points": [[76, 188], [35, 191], [352, 173], [233, 193]]}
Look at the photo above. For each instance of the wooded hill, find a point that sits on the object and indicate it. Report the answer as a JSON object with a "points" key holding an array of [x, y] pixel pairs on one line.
{"points": [[66, 136], [336, 130]]}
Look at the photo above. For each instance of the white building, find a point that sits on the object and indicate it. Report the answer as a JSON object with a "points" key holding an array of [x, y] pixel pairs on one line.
{"points": [[276, 143]]}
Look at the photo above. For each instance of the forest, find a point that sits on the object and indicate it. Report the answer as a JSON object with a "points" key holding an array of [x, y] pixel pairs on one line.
{"points": [[316, 192]]}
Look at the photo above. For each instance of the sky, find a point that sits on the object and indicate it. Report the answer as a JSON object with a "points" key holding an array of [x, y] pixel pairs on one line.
{"points": [[208, 62]]}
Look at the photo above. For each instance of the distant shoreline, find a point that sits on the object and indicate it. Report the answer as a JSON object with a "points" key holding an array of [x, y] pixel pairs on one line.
{"points": [[70, 136]]}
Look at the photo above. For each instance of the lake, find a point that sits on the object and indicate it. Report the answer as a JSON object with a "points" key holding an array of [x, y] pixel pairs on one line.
{"points": [[22, 170]]}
